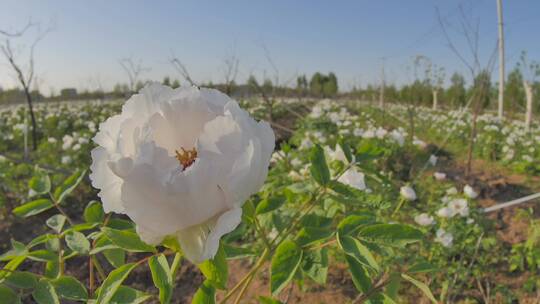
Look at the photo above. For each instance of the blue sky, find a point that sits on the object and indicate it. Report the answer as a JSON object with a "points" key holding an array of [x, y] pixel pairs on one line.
{"points": [[346, 37]]}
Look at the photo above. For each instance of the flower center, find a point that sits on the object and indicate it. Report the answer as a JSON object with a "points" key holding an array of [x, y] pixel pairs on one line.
{"points": [[186, 157]]}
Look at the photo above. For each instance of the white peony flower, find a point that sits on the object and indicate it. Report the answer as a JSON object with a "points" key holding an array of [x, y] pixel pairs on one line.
{"points": [[433, 159], [452, 191], [337, 154], [353, 178], [407, 193], [445, 238], [469, 192], [439, 176], [66, 159], [424, 219], [446, 212], [181, 163], [460, 206]]}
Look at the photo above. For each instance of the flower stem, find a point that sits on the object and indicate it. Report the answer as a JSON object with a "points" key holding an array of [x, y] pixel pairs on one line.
{"points": [[246, 279], [401, 202]]}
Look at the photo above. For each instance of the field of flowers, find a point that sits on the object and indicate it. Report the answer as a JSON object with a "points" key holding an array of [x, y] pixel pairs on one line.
{"points": [[119, 204]]}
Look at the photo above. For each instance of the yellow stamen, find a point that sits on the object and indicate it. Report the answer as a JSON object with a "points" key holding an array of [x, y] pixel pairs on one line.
{"points": [[186, 157]]}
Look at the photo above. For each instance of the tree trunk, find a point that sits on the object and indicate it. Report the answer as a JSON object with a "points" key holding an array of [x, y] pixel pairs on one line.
{"points": [[529, 96], [32, 118], [501, 59], [435, 99]]}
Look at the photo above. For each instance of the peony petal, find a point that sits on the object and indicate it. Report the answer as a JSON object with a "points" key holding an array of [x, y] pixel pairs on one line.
{"points": [[201, 242], [104, 179]]}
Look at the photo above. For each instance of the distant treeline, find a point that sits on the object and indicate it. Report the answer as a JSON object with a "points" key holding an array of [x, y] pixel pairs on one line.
{"points": [[419, 92]]}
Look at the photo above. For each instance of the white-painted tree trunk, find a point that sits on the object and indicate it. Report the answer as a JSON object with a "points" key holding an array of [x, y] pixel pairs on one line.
{"points": [[501, 59], [435, 99], [529, 97], [25, 133]]}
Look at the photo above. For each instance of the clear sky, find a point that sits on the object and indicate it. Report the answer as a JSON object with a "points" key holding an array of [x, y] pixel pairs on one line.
{"points": [[346, 37]]}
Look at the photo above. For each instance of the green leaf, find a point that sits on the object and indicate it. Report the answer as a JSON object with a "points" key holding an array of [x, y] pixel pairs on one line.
{"points": [[117, 256], [18, 249], [359, 274], [270, 204], [127, 240], [420, 285], [346, 150], [56, 222], [70, 288], [41, 239], [319, 168], [234, 252], [128, 295], [353, 222], [22, 279], [206, 294], [45, 293], [113, 282], [76, 241], [161, 275], [40, 183], [11, 266], [43, 255], [69, 185], [285, 262], [33, 207], [8, 296], [267, 300], [391, 234], [309, 235], [51, 269], [422, 267], [355, 249], [93, 213], [315, 265], [216, 270]]}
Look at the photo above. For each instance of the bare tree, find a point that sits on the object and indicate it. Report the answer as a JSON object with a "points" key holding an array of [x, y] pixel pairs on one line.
{"points": [[24, 73], [182, 70], [230, 71], [133, 70], [470, 33], [530, 70]]}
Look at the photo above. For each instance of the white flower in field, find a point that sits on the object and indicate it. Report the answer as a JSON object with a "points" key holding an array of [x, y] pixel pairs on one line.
{"points": [[446, 212], [276, 157], [336, 154], [439, 176], [424, 219], [433, 159], [420, 143], [306, 143], [295, 162], [398, 137], [358, 132], [66, 159], [368, 134], [443, 237], [67, 141], [469, 192], [527, 158], [2, 158], [181, 163], [51, 140], [353, 178], [451, 191], [82, 140], [76, 147], [460, 206], [470, 221], [380, 133], [407, 193]]}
